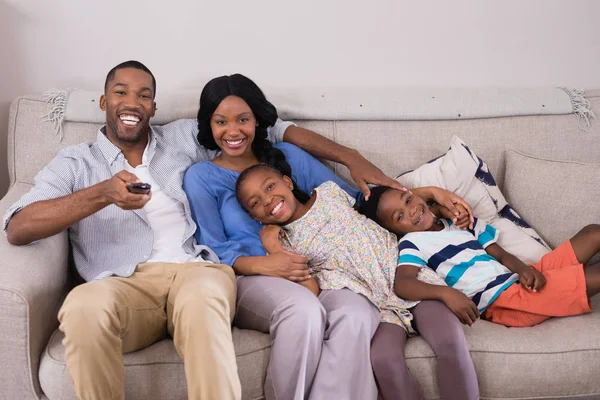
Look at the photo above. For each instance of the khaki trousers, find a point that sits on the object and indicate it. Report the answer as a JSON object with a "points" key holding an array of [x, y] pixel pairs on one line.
{"points": [[193, 302]]}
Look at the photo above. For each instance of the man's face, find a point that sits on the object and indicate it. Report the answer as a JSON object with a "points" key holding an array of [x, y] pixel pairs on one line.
{"points": [[129, 105]]}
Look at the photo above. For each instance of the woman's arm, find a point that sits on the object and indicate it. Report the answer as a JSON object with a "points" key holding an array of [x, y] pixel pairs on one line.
{"points": [[362, 170], [407, 286]]}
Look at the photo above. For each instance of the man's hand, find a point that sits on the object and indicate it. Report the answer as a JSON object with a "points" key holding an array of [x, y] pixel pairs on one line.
{"points": [[115, 191], [288, 265], [460, 305], [364, 173], [450, 201], [532, 279], [462, 221]]}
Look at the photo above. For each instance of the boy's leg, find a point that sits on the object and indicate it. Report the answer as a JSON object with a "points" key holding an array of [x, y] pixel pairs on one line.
{"points": [[444, 333], [102, 319], [586, 243], [393, 377], [200, 308], [564, 294]]}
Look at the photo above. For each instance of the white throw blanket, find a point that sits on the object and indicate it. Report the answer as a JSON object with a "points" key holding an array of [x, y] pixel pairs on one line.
{"points": [[354, 104]]}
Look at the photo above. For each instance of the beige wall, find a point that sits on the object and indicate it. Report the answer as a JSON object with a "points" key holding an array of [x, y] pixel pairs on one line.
{"points": [[70, 43]]}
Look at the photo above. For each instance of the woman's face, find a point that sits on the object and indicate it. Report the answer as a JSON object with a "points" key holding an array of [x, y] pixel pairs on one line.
{"points": [[233, 125]]}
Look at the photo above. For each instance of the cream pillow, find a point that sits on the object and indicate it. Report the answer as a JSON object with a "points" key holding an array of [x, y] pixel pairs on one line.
{"points": [[462, 172], [557, 197]]}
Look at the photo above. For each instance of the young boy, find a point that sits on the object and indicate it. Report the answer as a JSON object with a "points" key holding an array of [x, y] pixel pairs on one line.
{"points": [[480, 274]]}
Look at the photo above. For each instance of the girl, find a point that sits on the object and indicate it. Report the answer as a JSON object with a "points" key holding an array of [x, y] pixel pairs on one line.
{"points": [[347, 250]]}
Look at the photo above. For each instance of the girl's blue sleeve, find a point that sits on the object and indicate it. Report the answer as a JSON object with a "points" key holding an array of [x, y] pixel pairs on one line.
{"points": [[308, 172], [204, 206]]}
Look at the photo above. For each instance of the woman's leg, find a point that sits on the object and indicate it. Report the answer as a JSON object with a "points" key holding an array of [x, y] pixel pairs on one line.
{"points": [[393, 377], [295, 319], [444, 333], [344, 370]]}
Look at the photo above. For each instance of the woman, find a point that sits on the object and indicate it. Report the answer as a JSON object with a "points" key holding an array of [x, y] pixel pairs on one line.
{"points": [[310, 335]]}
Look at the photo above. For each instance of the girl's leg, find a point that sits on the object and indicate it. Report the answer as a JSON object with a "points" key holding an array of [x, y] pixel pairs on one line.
{"points": [[586, 243], [296, 321], [444, 333], [344, 370], [394, 379]]}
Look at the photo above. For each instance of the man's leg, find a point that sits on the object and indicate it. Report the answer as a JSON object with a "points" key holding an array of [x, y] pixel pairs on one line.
{"points": [[389, 364], [442, 330], [295, 319], [104, 318], [200, 308], [345, 370]]}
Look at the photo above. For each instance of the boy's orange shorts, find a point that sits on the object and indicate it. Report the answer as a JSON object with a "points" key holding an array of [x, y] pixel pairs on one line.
{"points": [[563, 295]]}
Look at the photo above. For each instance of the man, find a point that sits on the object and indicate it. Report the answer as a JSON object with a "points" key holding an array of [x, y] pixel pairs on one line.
{"points": [[145, 273]]}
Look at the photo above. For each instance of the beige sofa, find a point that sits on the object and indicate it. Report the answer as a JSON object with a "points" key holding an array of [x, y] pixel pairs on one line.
{"points": [[557, 359]]}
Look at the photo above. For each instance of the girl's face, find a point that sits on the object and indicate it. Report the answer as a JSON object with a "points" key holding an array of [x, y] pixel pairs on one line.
{"points": [[268, 197], [402, 212], [233, 125]]}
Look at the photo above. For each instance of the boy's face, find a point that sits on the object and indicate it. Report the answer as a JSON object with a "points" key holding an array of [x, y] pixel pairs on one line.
{"points": [[402, 212], [268, 197]]}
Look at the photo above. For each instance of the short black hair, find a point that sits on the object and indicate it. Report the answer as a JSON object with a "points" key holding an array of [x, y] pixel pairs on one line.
{"points": [[369, 207], [130, 64], [301, 196]]}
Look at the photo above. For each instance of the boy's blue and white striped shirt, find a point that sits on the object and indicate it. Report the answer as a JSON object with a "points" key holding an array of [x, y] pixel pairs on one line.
{"points": [[460, 258]]}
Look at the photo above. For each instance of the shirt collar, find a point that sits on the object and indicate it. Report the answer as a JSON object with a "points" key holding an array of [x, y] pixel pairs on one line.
{"points": [[112, 152]]}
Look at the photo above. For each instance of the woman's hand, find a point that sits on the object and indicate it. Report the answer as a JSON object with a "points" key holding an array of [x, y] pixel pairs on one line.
{"points": [[364, 173], [450, 201], [286, 264], [460, 305]]}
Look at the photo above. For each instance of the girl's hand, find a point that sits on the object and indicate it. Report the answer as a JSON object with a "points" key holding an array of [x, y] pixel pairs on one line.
{"points": [[271, 232], [450, 201], [462, 221], [532, 279], [460, 305]]}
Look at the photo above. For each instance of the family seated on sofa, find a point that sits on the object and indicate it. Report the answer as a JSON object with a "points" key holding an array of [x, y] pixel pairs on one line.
{"points": [[163, 262]]}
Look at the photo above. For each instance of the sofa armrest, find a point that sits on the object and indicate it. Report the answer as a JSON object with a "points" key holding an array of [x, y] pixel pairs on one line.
{"points": [[33, 284]]}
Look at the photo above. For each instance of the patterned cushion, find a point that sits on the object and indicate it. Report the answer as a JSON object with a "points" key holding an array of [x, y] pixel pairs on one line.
{"points": [[461, 171]]}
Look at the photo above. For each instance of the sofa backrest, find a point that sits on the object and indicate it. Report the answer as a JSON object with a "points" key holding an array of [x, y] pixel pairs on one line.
{"points": [[394, 146]]}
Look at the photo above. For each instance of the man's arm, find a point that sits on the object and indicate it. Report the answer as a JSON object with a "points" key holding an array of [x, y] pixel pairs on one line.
{"points": [[362, 170], [45, 218]]}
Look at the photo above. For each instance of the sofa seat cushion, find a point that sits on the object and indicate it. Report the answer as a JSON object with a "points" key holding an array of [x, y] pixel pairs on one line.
{"points": [[558, 358], [156, 372]]}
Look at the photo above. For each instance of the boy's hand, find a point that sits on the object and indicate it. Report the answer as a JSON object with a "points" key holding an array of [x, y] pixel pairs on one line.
{"points": [[461, 306], [462, 221], [450, 202], [532, 279]]}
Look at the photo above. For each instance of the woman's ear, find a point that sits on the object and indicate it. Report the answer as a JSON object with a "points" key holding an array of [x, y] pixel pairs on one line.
{"points": [[288, 181]]}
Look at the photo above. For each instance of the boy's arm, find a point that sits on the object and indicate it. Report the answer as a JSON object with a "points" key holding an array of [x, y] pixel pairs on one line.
{"points": [[529, 277], [407, 286], [312, 285]]}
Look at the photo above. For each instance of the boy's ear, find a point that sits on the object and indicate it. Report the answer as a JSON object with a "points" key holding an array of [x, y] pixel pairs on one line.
{"points": [[288, 181]]}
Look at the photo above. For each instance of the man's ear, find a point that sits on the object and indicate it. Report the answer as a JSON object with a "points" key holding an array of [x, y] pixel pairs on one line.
{"points": [[153, 109], [103, 103], [288, 181]]}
